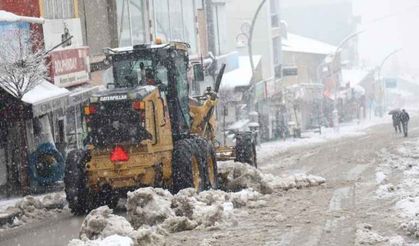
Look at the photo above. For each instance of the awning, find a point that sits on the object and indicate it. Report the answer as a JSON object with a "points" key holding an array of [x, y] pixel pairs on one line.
{"points": [[81, 94], [46, 98], [241, 76]]}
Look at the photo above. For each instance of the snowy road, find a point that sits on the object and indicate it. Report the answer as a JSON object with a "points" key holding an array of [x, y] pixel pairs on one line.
{"points": [[327, 215]]}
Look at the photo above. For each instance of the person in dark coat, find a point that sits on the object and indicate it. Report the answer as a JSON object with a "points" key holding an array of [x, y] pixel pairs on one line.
{"points": [[397, 122], [404, 118]]}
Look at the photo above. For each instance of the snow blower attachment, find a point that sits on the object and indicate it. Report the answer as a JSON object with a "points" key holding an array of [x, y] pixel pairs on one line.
{"points": [[140, 131]]}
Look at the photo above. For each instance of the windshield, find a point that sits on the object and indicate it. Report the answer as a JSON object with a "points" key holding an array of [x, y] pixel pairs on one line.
{"points": [[114, 123], [131, 72]]}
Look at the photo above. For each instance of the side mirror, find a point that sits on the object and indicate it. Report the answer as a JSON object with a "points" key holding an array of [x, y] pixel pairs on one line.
{"points": [[198, 71]]}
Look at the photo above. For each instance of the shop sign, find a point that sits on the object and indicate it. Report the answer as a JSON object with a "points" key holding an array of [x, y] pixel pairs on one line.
{"points": [[70, 67]]}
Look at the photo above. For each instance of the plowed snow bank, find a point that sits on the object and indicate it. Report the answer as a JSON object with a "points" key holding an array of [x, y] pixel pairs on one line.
{"points": [[101, 223], [31, 208], [236, 176], [366, 236], [154, 212], [113, 240]]}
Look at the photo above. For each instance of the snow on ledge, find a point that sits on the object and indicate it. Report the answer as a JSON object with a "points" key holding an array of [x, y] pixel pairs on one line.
{"points": [[10, 17], [44, 91]]}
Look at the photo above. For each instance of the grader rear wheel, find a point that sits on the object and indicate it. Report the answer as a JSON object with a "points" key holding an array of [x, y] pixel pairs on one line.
{"points": [[246, 149], [75, 183]]}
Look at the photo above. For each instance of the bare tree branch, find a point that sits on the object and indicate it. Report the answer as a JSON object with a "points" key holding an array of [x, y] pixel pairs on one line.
{"points": [[21, 68]]}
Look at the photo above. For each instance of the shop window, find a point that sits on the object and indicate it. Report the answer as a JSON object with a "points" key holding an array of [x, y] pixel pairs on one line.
{"points": [[63, 9]]}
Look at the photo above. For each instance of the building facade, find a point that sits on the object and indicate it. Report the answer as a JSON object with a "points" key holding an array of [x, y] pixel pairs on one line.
{"points": [[53, 115]]}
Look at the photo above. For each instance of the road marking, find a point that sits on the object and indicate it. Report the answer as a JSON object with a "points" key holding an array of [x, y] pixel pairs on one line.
{"points": [[314, 237], [338, 195], [287, 237], [355, 172]]}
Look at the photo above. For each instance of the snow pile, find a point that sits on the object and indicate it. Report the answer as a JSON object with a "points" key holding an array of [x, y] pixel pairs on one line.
{"points": [[183, 211], [380, 177], [113, 240], [154, 212], [386, 191], [366, 236], [411, 228], [236, 176], [31, 208], [149, 206], [149, 236], [409, 207], [403, 164], [101, 223]]}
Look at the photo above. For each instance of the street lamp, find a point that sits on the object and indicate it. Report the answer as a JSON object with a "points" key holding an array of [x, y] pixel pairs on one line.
{"points": [[249, 43], [381, 81], [334, 68]]}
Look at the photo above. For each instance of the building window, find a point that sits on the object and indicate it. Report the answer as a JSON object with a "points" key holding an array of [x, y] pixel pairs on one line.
{"points": [[220, 28], [175, 21], [131, 22], [63, 9]]}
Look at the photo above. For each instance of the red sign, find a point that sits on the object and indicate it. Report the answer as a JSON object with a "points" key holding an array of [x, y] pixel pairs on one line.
{"points": [[70, 67]]}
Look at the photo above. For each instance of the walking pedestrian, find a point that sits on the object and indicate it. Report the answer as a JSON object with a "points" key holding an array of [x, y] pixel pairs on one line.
{"points": [[404, 118], [397, 122]]}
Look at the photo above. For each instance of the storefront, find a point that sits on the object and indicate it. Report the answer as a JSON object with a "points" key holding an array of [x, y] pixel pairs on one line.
{"points": [[27, 124]]}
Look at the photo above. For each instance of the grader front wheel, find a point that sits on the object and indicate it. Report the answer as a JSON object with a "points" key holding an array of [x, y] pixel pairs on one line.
{"points": [[187, 166]]}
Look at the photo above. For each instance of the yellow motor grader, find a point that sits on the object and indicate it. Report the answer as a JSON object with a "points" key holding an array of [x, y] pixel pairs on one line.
{"points": [[144, 130]]}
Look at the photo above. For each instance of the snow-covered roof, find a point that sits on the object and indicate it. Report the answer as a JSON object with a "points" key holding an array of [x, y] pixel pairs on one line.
{"points": [[297, 43], [10, 17], [353, 76], [241, 76], [44, 91]]}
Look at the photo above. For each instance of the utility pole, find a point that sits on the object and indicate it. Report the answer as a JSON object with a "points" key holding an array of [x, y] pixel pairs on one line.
{"points": [[249, 43], [381, 81], [333, 72]]}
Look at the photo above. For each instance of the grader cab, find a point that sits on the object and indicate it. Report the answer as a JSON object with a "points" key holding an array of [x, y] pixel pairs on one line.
{"points": [[143, 130]]}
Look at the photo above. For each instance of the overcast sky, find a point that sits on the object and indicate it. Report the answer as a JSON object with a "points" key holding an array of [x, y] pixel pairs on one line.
{"points": [[389, 25]]}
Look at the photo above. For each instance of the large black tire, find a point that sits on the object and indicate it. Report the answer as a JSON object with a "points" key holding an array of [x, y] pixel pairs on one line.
{"points": [[210, 163], [75, 182], [186, 156], [246, 149], [106, 196]]}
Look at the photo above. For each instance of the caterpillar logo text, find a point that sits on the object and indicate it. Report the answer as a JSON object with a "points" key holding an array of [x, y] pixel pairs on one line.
{"points": [[114, 98]]}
